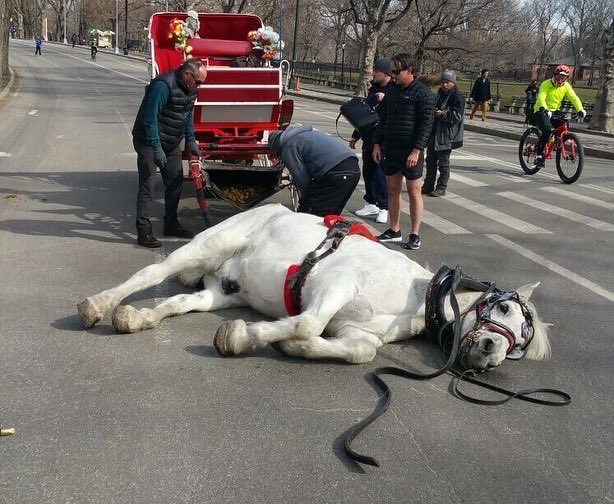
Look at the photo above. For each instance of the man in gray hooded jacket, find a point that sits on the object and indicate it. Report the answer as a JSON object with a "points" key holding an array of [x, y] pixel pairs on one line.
{"points": [[325, 171]]}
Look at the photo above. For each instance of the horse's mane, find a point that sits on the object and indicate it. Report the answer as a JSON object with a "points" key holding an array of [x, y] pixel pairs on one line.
{"points": [[539, 348]]}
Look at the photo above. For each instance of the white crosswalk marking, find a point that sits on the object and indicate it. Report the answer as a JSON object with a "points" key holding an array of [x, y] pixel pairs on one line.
{"points": [[552, 266], [580, 197], [568, 214], [496, 215], [442, 225], [467, 180]]}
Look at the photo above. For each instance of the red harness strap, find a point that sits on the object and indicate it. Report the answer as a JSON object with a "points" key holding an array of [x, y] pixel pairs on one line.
{"points": [[329, 222]]}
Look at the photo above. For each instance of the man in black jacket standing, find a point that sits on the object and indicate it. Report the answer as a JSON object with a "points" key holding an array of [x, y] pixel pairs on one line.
{"points": [[406, 121], [376, 193], [481, 94], [163, 120]]}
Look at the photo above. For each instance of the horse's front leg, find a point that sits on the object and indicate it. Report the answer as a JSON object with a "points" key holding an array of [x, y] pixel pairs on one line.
{"points": [[128, 319], [235, 337], [93, 308]]}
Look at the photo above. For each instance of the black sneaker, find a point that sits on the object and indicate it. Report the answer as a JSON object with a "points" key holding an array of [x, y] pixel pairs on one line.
{"points": [[438, 192], [539, 161], [390, 236], [413, 243], [148, 241], [178, 232]]}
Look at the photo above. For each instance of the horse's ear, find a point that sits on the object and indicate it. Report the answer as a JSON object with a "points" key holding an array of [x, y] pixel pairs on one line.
{"points": [[526, 290]]}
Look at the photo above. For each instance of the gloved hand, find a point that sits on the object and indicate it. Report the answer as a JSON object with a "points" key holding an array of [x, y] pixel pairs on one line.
{"points": [[549, 113], [193, 149], [582, 114], [159, 158]]}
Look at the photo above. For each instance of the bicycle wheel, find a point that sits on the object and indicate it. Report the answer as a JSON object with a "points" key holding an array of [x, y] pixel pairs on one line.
{"points": [[527, 150], [570, 158]]}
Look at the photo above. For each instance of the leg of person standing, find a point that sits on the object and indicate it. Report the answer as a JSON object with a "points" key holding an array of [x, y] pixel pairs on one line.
{"points": [[147, 181], [431, 169], [443, 161], [474, 108], [484, 106], [416, 210], [376, 192], [173, 184], [394, 183]]}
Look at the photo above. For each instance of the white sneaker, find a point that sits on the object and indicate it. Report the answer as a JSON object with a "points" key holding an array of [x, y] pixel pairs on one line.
{"points": [[382, 217], [368, 209]]}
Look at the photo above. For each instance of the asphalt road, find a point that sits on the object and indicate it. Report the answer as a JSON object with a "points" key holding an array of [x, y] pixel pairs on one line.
{"points": [[158, 417]]}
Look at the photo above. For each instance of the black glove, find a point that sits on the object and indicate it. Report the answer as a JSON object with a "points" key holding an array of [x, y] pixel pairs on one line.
{"points": [[159, 158], [193, 149]]}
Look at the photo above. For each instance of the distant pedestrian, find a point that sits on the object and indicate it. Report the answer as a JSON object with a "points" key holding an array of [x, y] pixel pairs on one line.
{"points": [[38, 43], [325, 171], [481, 94], [73, 39], [531, 97], [376, 193], [447, 135]]}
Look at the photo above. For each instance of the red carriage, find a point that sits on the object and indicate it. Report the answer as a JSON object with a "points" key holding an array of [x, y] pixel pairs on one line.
{"points": [[242, 100]]}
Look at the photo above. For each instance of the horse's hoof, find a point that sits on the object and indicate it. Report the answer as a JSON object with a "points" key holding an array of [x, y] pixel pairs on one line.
{"points": [[124, 320], [226, 340], [88, 312]]}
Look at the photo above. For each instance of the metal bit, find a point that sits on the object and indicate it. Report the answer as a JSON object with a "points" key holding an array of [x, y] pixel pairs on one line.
{"points": [[6, 432]]}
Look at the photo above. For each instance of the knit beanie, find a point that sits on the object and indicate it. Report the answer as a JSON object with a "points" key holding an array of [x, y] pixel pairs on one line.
{"points": [[383, 65], [448, 75]]}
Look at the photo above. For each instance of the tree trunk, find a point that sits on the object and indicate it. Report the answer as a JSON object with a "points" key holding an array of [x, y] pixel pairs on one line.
{"points": [[366, 68], [4, 43], [603, 116]]}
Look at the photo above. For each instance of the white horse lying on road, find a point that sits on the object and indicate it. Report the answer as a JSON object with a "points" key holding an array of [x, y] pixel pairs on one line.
{"points": [[352, 302]]}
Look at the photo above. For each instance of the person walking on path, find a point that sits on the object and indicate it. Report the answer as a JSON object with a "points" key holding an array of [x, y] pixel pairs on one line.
{"points": [[480, 92], [447, 134], [73, 39], [406, 121], [376, 193], [38, 43], [325, 171], [531, 94], [164, 119]]}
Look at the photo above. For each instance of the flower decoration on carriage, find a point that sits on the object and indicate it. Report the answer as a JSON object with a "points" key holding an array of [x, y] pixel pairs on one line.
{"points": [[182, 30], [266, 42]]}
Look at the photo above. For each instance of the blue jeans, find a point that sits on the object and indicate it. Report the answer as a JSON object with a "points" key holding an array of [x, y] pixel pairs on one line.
{"points": [[376, 192]]}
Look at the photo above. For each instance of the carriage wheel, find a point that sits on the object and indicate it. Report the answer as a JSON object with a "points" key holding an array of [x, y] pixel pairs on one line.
{"points": [[570, 158], [527, 150]]}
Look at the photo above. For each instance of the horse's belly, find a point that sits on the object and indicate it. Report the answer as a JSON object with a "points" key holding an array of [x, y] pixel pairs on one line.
{"points": [[261, 285]]}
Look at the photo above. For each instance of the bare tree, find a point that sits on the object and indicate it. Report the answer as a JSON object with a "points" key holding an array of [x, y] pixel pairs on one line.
{"points": [[374, 16]]}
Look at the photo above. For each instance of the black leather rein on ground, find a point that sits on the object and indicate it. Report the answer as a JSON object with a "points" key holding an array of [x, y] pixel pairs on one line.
{"points": [[384, 403]]}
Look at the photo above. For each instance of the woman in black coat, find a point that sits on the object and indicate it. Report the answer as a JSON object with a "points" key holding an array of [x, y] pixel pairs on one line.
{"points": [[447, 135]]}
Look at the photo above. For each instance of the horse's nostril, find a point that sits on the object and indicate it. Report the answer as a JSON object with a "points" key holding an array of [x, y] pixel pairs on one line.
{"points": [[487, 344]]}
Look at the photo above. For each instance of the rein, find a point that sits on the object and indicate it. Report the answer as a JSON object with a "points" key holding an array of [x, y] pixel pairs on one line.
{"points": [[445, 281]]}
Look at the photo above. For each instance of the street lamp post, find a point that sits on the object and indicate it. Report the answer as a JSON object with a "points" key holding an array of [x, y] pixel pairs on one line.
{"points": [[65, 40], [116, 26], [293, 78], [126, 27], [342, 61]]}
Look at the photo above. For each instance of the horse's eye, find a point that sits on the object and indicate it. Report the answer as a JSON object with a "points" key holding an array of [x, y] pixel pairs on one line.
{"points": [[504, 308]]}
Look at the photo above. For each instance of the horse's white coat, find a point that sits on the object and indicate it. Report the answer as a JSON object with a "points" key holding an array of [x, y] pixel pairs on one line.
{"points": [[360, 297]]}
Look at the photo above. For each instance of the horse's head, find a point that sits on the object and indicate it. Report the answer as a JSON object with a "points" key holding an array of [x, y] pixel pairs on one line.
{"points": [[502, 325]]}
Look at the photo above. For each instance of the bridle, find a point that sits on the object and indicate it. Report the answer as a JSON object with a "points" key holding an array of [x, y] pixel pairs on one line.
{"points": [[484, 321]]}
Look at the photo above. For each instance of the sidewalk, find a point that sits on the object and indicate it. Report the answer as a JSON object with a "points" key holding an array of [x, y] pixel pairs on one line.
{"points": [[501, 124]]}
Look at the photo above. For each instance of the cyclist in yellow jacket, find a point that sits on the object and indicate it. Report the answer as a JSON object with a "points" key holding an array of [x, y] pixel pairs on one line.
{"points": [[551, 93]]}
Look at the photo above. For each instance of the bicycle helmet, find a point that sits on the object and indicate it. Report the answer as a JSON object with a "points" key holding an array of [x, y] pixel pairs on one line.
{"points": [[563, 71]]}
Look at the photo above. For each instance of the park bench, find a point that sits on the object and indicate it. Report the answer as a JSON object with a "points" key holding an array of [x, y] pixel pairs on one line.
{"points": [[517, 105]]}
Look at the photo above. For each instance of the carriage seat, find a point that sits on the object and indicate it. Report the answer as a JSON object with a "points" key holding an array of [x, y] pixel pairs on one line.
{"points": [[206, 48]]}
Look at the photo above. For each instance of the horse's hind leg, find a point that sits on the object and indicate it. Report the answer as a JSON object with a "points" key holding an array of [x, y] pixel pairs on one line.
{"points": [[128, 319], [350, 344]]}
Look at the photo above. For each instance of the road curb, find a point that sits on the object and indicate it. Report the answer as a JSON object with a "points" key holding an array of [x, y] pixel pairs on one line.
{"points": [[9, 84]]}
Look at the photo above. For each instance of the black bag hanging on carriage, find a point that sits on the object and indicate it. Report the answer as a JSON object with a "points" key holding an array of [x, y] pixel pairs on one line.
{"points": [[358, 113]]}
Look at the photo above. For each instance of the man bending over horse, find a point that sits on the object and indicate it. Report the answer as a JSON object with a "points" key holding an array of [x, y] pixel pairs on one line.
{"points": [[325, 171]]}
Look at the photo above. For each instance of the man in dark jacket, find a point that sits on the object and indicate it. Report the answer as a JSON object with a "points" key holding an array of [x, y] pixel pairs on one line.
{"points": [[376, 193], [163, 120], [325, 171], [447, 134], [406, 121], [481, 94]]}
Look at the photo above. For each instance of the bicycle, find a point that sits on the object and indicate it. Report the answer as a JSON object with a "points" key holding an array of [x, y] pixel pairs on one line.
{"points": [[566, 144]]}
